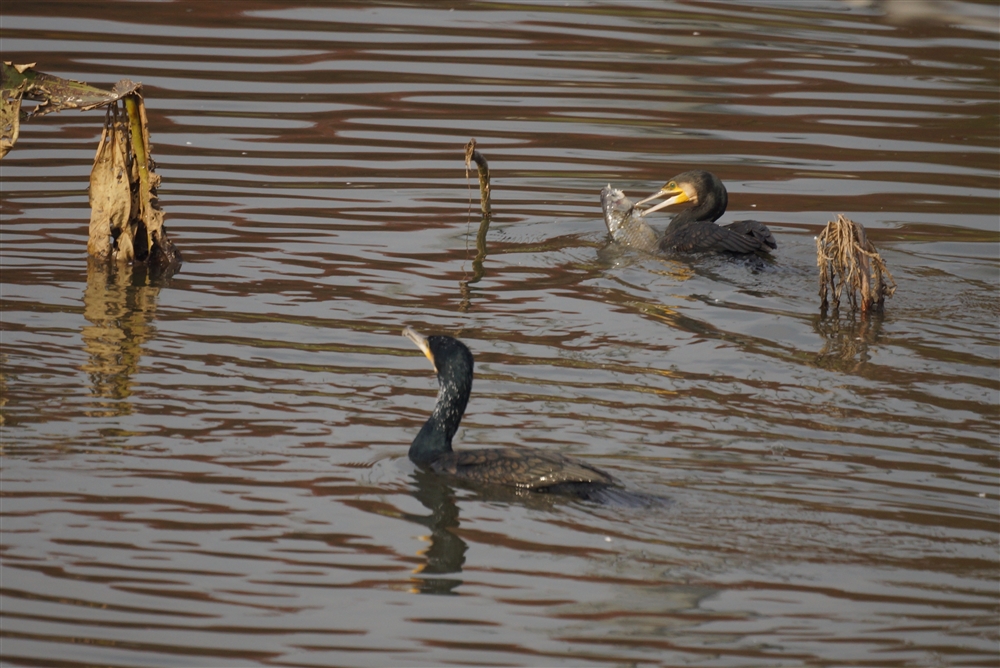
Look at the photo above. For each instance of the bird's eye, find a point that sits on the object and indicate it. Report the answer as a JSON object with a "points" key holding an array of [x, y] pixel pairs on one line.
{"points": [[672, 185]]}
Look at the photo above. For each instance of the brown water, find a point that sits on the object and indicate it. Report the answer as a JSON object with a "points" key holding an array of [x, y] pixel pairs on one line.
{"points": [[212, 470]]}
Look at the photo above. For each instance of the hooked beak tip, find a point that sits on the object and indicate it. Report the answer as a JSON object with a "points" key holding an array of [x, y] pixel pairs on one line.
{"points": [[421, 342]]}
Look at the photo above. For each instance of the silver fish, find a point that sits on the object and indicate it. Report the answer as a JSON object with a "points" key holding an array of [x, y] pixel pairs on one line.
{"points": [[625, 222]]}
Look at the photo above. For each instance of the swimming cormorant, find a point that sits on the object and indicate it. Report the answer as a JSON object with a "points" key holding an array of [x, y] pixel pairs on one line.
{"points": [[695, 230], [524, 468]]}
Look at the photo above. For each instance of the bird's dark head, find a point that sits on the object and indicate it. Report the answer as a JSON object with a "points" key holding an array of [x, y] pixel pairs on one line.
{"points": [[451, 358], [702, 189]]}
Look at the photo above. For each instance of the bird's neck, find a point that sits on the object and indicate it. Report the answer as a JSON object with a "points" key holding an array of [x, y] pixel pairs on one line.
{"points": [[432, 442], [434, 439]]}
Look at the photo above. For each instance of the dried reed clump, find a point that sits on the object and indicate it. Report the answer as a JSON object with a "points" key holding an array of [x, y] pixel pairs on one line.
{"points": [[847, 258]]}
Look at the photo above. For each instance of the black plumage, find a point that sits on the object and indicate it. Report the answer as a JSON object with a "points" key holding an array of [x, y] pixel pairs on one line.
{"points": [[695, 230], [525, 468]]}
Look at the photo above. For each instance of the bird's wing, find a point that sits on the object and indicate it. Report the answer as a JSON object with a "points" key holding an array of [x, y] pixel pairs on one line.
{"points": [[754, 232], [528, 467], [744, 236]]}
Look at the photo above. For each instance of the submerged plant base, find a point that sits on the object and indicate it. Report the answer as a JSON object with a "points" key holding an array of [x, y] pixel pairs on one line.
{"points": [[847, 258]]}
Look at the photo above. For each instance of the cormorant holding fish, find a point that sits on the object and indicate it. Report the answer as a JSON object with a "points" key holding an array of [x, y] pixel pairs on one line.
{"points": [[693, 230], [528, 469]]}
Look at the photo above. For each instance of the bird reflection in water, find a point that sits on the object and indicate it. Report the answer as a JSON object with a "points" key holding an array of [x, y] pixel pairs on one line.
{"points": [[446, 553]]}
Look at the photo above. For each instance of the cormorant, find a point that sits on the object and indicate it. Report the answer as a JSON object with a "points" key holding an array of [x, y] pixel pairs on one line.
{"points": [[695, 230], [524, 468]]}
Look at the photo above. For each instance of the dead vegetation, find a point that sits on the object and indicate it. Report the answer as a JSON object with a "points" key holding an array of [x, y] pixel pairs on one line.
{"points": [[472, 155], [478, 271], [126, 224], [848, 259]]}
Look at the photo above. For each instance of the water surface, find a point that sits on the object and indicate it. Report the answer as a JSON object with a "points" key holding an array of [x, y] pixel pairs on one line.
{"points": [[211, 469]]}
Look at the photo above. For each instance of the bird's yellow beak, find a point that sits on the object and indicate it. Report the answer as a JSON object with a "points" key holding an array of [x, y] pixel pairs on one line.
{"points": [[679, 197], [421, 342]]}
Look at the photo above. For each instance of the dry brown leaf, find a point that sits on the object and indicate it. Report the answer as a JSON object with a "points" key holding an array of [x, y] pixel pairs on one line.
{"points": [[111, 195]]}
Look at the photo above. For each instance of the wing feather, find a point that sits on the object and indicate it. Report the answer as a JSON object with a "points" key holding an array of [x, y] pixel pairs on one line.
{"points": [[526, 468]]}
